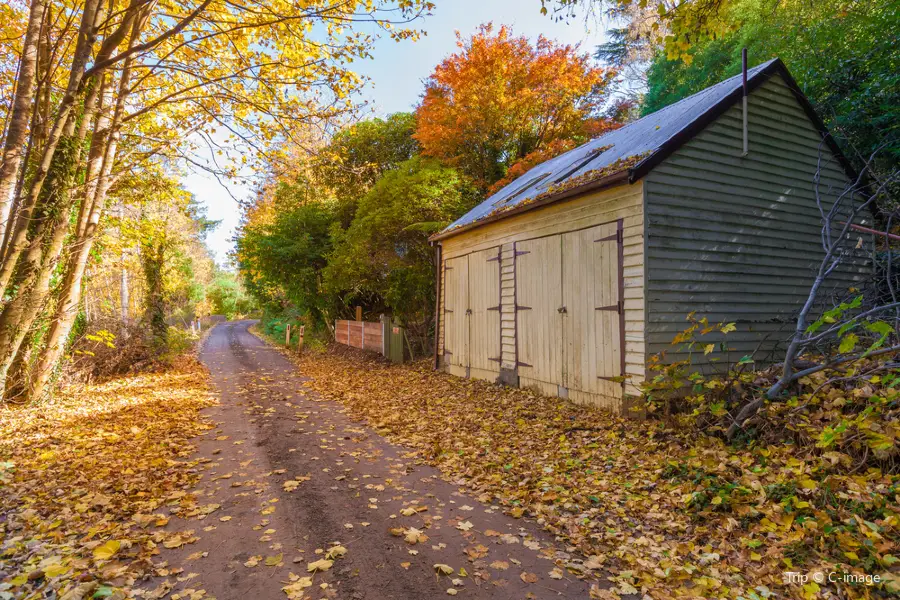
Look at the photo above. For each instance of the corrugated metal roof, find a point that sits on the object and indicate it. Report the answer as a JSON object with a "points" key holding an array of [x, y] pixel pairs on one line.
{"points": [[638, 139]]}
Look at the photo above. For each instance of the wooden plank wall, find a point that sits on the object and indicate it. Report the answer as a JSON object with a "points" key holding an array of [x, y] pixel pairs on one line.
{"points": [[350, 333], [736, 239], [606, 206]]}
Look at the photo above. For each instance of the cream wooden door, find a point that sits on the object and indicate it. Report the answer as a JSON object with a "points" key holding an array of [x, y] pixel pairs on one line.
{"points": [[591, 316], [484, 310], [538, 316], [456, 303]]}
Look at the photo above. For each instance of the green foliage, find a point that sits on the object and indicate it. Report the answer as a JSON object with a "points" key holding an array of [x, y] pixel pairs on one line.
{"points": [[384, 257], [178, 341], [680, 386], [358, 155], [288, 237], [282, 260], [838, 52], [226, 296]]}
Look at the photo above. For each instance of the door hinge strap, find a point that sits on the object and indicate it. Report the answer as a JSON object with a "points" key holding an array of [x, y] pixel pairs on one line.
{"points": [[494, 359], [617, 307], [609, 238], [520, 307], [448, 310], [447, 352], [519, 363], [521, 252], [494, 308]]}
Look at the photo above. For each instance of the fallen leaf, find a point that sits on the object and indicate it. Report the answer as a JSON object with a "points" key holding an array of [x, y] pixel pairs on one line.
{"points": [[272, 561], [107, 550], [253, 561], [319, 565], [464, 526]]}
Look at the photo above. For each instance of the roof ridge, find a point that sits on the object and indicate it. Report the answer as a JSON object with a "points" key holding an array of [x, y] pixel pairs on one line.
{"points": [[751, 72]]}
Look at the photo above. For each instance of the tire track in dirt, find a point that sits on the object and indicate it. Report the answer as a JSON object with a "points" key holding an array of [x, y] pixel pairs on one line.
{"points": [[352, 486]]}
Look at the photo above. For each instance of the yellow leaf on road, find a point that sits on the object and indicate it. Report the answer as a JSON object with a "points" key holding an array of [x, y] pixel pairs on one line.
{"points": [[319, 565], [107, 550], [294, 590]]}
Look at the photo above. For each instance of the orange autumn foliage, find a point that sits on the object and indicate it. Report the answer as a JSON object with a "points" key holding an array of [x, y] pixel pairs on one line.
{"points": [[500, 99]]}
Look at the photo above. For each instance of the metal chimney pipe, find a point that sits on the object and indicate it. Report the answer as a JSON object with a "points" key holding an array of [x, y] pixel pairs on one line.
{"points": [[744, 80]]}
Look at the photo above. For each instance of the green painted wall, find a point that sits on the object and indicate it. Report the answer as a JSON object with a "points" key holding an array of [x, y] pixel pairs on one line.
{"points": [[737, 238]]}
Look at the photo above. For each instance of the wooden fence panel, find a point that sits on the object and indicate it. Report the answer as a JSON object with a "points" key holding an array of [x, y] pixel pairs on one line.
{"points": [[373, 337], [359, 334], [340, 332]]}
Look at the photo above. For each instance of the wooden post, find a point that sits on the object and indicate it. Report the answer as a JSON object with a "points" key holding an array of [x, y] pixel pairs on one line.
{"points": [[287, 335], [300, 339], [359, 313]]}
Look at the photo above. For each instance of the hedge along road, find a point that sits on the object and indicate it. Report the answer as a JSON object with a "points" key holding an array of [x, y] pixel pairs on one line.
{"points": [[295, 478]]}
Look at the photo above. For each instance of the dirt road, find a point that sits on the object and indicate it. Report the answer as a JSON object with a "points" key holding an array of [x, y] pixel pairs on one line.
{"points": [[353, 489]]}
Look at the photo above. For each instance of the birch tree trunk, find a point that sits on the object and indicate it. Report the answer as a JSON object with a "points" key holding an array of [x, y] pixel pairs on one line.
{"points": [[20, 114]]}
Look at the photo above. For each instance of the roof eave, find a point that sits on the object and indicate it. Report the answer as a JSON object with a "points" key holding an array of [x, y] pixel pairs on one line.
{"points": [[618, 178]]}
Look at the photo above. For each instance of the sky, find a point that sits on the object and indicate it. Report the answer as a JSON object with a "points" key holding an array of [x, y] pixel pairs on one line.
{"points": [[397, 71]]}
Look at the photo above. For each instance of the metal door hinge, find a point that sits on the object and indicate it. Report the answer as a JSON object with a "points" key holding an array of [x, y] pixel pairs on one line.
{"points": [[618, 307]]}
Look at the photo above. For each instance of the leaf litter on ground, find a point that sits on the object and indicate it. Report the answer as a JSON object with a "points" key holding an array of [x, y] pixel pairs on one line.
{"points": [[84, 476], [658, 510]]}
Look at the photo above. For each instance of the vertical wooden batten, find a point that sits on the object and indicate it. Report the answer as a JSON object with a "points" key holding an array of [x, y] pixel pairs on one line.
{"points": [[437, 303]]}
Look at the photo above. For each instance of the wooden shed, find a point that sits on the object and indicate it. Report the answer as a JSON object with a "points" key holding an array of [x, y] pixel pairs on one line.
{"points": [[570, 277]]}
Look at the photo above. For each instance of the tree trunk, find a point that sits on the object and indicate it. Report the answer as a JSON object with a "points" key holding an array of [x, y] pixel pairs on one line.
{"points": [[63, 121], [123, 274], [47, 232], [106, 137], [35, 267], [153, 263], [25, 309], [38, 128], [20, 113]]}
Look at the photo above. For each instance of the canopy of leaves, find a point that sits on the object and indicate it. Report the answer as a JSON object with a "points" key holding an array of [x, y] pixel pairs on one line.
{"points": [[226, 296], [359, 154], [500, 98], [385, 253], [284, 246]]}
